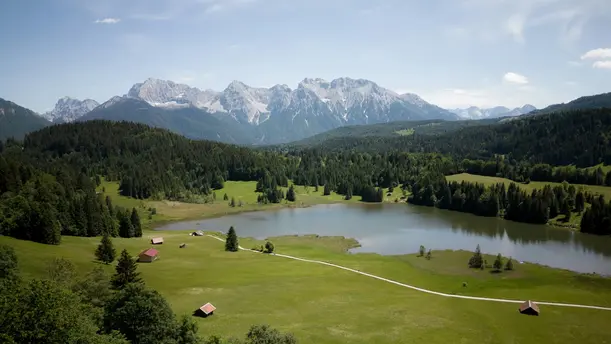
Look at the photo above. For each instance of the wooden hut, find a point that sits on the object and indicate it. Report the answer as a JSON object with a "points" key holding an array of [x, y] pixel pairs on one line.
{"points": [[148, 255], [529, 308], [205, 310], [157, 241]]}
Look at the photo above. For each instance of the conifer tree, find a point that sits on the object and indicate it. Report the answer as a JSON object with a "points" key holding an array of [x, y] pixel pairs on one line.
{"points": [[498, 263], [421, 251], [476, 261], [327, 190], [106, 252], [290, 194], [231, 244], [126, 272], [135, 221], [126, 230], [509, 264]]}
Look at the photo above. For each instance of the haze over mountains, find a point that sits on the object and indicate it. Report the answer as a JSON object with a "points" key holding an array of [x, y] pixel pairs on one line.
{"points": [[250, 115], [475, 112]]}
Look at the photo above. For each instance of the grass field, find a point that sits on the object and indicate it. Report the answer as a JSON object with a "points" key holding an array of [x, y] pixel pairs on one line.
{"points": [[558, 221], [321, 304], [168, 211]]}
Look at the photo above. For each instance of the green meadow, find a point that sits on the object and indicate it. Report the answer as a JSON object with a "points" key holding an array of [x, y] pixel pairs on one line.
{"points": [[242, 192], [322, 304]]}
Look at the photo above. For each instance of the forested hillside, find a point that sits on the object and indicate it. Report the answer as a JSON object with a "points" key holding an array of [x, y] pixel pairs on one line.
{"points": [[388, 130], [16, 121], [574, 137]]}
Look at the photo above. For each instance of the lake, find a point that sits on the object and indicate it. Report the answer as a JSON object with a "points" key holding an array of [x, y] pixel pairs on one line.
{"points": [[392, 229]]}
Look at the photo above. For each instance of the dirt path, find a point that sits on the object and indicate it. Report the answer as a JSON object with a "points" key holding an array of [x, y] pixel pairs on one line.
{"points": [[421, 289]]}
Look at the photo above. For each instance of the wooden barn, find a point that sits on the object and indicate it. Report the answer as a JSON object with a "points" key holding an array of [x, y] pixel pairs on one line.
{"points": [[148, 255], [529, 308], [205, 310], [157, 241]]}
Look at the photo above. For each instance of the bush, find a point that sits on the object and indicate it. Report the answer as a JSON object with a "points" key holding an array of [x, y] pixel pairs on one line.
{"points": [[429, 255], [269, 247]]}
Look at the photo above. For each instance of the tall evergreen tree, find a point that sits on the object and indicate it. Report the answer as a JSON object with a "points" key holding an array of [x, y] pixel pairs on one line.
{"points": [[126, 229], [126, 272], [135, 222], [290, 194], [498, 263], [231, 244], [105, 252]]}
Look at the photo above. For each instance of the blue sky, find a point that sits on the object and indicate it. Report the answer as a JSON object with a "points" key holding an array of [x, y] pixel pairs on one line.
{"points": [[453, 53]]}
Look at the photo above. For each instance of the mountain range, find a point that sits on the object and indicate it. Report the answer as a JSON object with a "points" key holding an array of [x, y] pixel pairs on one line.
{"points": [[252, 115], [475, 112]]}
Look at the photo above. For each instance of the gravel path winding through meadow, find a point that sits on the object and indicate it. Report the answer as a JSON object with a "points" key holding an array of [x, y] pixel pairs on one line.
{"points": [[421, 289]]}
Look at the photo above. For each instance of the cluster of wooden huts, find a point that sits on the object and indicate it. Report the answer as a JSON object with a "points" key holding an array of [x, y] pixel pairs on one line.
{"points": [[151, 254]]}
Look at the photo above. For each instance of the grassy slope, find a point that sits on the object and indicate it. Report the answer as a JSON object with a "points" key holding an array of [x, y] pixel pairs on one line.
{"points": [[320, 304], [575, 218], [244, 191]]}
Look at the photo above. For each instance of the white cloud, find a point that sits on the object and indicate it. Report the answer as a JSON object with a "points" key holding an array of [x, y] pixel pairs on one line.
{"points": [[602, 64], [515, 78], [515, 18], [597, 54], [107, 21]]}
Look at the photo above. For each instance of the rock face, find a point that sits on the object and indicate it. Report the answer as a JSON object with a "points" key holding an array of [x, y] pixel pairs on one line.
{"points": [[280, 114], [474, 112], [69, 109]]}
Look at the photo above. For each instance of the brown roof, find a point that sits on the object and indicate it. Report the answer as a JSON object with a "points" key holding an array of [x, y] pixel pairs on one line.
{"points": [[151, 252], [529, 304], [157, 240], [207, 308]]}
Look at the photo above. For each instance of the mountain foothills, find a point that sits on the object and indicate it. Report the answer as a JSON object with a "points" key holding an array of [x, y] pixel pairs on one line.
{"points": [[16, 121]]}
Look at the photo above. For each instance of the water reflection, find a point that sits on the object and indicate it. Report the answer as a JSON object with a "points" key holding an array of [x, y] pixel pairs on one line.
{"points": [[400, 229]]}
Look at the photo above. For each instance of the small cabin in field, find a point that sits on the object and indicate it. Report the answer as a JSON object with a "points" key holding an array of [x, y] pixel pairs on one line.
{"points": [[148, 255], [205, 310], [529, 308], [157, 241]]}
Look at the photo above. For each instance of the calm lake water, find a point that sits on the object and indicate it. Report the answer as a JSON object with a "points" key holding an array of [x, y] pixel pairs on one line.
{"points": [[392, 229]]}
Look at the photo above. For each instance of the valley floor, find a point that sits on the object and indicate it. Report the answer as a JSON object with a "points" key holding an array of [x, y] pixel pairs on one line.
{"points": [[322, 304], [244, 192]]}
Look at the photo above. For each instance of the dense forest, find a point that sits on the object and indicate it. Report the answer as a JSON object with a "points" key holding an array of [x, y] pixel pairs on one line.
{"points": [[65, 307], [48, 181], [579, 137]]}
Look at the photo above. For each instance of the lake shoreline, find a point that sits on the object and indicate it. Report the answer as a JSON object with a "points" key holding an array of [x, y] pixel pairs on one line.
{"points": [[404, 228]]}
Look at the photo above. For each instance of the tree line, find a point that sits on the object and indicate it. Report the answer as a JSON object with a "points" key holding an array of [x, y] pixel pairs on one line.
{"points": [[48, 182], [65, 307]]}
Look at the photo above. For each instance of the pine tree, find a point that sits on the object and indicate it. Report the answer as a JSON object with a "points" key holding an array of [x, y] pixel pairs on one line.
{"points": [[476, 261], [231, 244], [225, 197], [232, 203], [509, 264], [106, 251], [290, 194], [125, 272], [126, 230], [498, 263], [429, 254], [327, 190], [135, 221], [421, 251]]}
